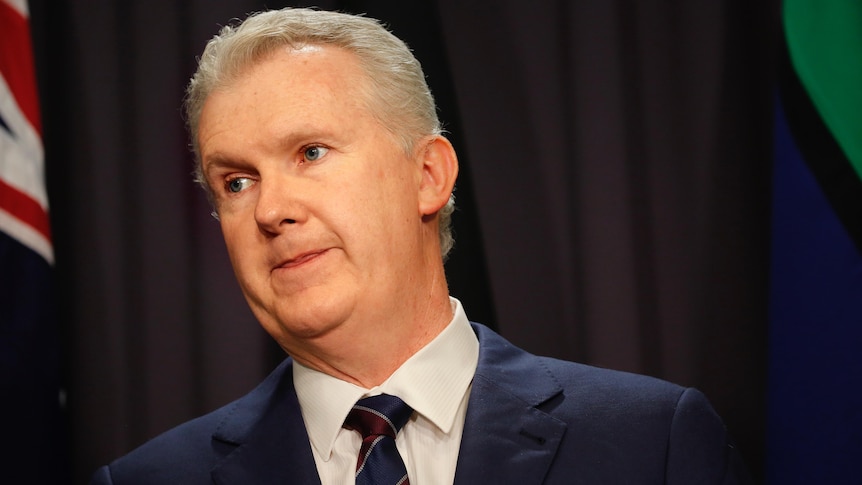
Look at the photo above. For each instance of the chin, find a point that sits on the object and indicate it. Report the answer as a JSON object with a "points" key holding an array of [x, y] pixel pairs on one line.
{"points": [[305, 321]]}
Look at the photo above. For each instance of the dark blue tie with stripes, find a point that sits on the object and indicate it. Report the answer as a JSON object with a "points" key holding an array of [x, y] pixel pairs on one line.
{"points": [[378, 419]]}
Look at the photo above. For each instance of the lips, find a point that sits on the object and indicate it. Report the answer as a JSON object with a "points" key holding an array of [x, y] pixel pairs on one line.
{"points": [[301, 259]]}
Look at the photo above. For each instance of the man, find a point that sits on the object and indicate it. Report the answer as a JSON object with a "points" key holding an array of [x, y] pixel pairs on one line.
{"points": [[318, 142]]}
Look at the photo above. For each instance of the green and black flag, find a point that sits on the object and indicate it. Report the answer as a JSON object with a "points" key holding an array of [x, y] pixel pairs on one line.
{"points": [[815, 339]]}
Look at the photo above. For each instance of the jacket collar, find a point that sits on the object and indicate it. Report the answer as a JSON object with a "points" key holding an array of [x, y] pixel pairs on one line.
{"points": [[507, 437]]}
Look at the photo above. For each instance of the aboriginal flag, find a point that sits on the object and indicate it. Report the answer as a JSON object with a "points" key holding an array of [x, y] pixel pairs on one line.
{"points": [[814, 428], [30, 408]]}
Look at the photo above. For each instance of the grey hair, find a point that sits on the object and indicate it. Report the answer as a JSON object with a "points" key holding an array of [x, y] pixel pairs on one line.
{"points": [[398, 95]]}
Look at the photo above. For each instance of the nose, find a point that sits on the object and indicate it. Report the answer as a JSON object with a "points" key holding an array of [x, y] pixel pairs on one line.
{"points": [[278, 206]]}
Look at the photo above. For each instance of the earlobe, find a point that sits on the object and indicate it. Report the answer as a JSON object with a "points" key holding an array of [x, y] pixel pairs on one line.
{"points": [[439, 172]]}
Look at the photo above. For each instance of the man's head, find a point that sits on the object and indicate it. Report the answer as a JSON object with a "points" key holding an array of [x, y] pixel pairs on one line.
{"points": [[329, 176], [397, 93]]}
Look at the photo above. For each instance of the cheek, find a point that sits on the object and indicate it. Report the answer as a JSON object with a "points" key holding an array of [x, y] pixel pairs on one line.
{"points": [[236, 246], [360, 214]]}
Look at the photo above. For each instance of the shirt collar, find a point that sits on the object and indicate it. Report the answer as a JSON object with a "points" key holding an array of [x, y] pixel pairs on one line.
{"points": [[445, 367]]}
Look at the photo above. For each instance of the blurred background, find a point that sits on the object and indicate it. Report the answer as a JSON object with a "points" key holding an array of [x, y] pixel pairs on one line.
{"points": [[621, 166]]}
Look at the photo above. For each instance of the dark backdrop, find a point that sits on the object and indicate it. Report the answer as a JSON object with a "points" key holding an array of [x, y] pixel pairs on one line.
{"points": [[613, 197]]}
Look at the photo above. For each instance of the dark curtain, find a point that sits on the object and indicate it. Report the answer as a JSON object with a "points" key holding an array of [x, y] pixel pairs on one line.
{"points": [[613, 202]]}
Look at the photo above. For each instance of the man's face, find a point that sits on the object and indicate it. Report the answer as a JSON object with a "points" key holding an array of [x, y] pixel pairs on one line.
{"points": [[318, 203]]}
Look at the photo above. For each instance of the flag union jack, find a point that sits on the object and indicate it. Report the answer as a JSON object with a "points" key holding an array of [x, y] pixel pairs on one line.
{"points": [[23, 199]]}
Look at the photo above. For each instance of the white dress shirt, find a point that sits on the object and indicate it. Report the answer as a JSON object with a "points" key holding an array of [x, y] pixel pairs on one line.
{"points": [[435, 382]]}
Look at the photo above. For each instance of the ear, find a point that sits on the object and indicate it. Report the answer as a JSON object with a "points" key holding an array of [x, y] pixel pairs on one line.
{"points": [[439, 171]]}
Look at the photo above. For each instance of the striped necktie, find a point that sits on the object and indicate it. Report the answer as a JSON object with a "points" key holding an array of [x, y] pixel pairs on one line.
{"points": [[378, 419]]}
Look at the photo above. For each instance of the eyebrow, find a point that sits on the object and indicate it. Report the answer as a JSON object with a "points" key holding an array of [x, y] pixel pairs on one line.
{"points": [[295, 138], [305, 134], [220, 160]]}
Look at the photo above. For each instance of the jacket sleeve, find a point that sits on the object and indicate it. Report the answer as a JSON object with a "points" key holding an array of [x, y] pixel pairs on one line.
{"points": [[102, 477], [700, 450]]}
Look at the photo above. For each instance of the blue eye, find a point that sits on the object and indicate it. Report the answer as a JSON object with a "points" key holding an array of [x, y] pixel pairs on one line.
{"points": [[314, 153], [238, 184]]}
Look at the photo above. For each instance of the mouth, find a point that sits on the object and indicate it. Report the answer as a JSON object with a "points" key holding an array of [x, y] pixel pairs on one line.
{"points": [[301, 259]]}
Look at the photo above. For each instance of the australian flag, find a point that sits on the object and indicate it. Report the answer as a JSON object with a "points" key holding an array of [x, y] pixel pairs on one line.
{"points": [[30, 392]]}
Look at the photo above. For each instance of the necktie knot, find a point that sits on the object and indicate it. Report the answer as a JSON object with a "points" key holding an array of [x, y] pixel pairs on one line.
{"points": [[378, 419], [378, 415]]}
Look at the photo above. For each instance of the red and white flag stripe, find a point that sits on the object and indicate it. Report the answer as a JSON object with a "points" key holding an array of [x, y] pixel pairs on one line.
{"points": [[23, 198]]}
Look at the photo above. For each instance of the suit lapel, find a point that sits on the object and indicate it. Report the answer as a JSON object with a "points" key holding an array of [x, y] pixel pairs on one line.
{"points": [[265, 437], [507, 437]]}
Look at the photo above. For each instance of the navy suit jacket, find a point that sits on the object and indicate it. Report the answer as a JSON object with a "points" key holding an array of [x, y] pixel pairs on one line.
{"points": [[530, 420]]}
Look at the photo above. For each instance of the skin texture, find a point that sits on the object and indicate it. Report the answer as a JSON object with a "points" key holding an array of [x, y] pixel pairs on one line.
{"points": [[331, 228]]}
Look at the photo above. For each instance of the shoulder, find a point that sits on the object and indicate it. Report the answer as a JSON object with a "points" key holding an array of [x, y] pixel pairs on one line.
{"points": [[615, 401], [571, 391], [642, 426], [618, 424], [595, 387], [187, 453], [180, 455], [612, 390]]}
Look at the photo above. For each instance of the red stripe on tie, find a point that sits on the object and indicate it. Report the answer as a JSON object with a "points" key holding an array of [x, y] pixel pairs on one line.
{"points": [[25, 209], [16, 63]]}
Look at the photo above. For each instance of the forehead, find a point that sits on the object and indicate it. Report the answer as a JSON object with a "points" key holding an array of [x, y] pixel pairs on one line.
{"points": [[289, 86]]}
